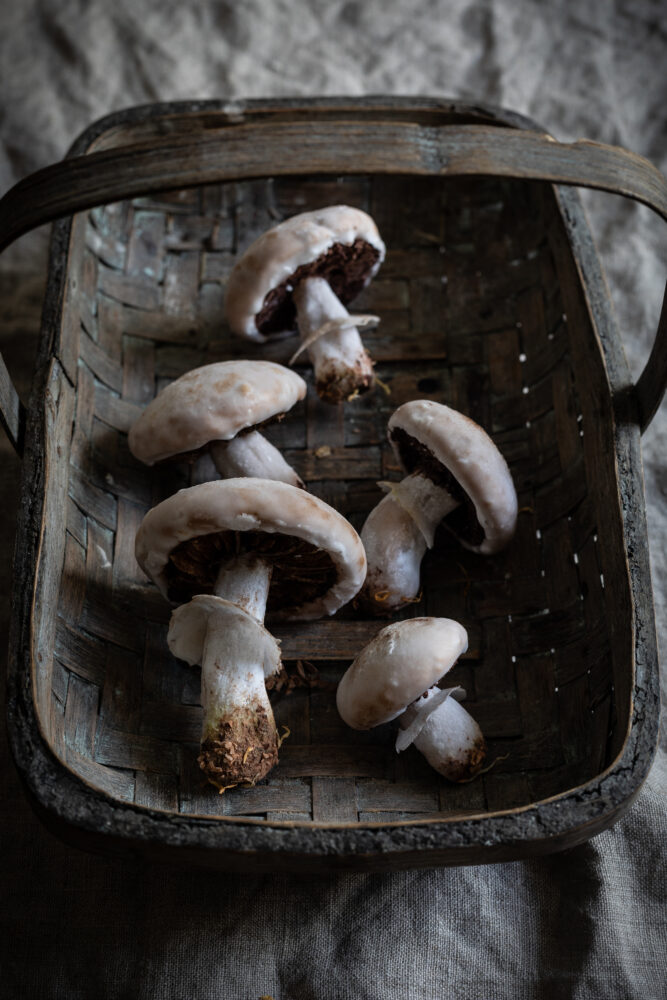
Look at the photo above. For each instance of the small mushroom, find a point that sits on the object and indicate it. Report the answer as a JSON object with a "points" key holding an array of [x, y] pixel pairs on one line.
{"points": [[396, 676], [235, 549], [456, 473], [301, 273], [217, 406]]}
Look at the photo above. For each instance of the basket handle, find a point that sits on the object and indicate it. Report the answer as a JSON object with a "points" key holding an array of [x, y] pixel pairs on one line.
{"points": [[262, 149]]}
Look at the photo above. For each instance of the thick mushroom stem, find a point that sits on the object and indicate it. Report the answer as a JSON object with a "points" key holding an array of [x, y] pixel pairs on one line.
{"points": [[396, 534], [239, 735], [342, 365], [245, 582], [447, 735], [252, 455]]}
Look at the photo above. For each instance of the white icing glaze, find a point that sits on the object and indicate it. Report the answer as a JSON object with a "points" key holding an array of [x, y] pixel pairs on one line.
{"points": [[450, 738], [395, 547], [189, 624], [252, 455], [279, 252], [236, 654], [473, 459], [403, 661], [261, 505], [212, 403]]}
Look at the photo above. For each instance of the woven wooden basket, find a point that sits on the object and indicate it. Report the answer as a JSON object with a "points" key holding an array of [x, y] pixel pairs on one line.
{"points": [[491, 300]]}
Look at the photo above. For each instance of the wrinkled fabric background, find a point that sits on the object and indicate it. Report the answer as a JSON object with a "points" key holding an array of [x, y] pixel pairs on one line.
{"points": [[589, 923]]}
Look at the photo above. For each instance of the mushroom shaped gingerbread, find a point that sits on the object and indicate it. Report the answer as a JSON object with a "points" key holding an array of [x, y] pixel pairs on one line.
{"points": [[455, 472], [235, 549], [396, 675], [301, 274], [218, 406]]}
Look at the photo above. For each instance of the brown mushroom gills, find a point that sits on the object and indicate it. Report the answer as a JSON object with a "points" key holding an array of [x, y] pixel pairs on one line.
{"points": [[344, 267], [313, 299], [382, 593], [416, 457], [302, 572]]}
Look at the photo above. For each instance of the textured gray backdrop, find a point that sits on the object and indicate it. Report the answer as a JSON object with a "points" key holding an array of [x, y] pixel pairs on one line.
{"points": [[586, 924]]}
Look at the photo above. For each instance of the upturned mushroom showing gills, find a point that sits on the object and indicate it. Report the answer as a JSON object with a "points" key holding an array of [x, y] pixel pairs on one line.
{"points": [[396, 676], [217, 407], [234, 550], [455, 474], [301, 274]]}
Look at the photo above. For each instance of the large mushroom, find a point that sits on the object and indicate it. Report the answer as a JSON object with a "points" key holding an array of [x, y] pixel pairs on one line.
{"points": [[455, 474], [235, 549], [302, 273], [218, 406], [396, 676]]}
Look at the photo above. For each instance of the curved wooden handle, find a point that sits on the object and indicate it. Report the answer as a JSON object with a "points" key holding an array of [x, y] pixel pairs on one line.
{"points": [[264, 149]]}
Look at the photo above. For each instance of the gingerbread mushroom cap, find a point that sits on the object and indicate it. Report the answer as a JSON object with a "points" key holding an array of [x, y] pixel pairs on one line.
{"points": [[396, 675], [455, 476], [213, 403], [403, 661], [340, 244], [457, 454], [319, 561]]}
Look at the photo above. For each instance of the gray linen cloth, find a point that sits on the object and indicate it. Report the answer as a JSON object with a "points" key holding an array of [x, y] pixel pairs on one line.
{"points": [[589, 923]]}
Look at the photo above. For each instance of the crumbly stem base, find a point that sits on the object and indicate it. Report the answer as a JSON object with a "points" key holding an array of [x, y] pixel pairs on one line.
{"points": [[241, 749], [343, 368], [335, 383], [239, 737]]}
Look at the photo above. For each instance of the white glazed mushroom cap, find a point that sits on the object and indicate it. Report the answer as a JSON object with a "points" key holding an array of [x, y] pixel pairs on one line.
{"points": [[277, 254], [461, 445], [403, 661], [189, 624], [212, 403], [255, 505]]}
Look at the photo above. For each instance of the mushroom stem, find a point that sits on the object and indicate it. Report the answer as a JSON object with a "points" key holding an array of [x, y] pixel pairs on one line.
{"points": [[245, 582], [342, 364], [396, 534], [448, 737], [252, 455], [239, 735]]}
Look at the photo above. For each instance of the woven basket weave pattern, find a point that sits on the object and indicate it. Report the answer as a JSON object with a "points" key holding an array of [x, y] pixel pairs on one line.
{"points": [[471, 315]]}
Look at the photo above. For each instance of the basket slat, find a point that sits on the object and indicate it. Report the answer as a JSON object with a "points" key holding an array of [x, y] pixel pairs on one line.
{"points": [[483, 306], [466, 319]]}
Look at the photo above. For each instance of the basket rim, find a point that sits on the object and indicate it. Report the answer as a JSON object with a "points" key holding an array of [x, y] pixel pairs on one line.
{"points": [[230, 111], [61, 795]]}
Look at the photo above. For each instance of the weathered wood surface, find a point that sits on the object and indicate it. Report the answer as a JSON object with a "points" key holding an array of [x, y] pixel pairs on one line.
{"points": [[261, 149], [271, 149], [526, 609], [494, 321], [12, 412]]}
